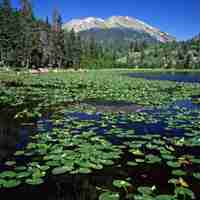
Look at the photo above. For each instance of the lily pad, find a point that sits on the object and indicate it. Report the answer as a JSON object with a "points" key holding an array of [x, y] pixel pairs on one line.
{"points": [[8, 174], [165, 197], [145, 190], [173, 164], [61, 170], [23, 174], [121, 184], [197, 175], [109, 196], [179, 172], [34, 181], [11, 183], [132, 164], [185, 192]]}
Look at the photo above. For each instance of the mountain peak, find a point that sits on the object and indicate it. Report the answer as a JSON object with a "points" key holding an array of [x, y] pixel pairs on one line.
{"points": [[91, 19], [117, 22]]}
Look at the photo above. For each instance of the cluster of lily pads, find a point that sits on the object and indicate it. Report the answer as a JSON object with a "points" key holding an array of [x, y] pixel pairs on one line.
{"points": [[60, 152], [78, 140], [147, 193], [34, 94]]}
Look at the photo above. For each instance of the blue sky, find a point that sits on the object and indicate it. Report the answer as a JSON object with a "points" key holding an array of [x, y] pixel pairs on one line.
{"points": [[180, 18]]}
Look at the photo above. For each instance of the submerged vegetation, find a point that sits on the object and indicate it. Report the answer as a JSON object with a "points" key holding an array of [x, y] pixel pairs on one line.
{"points": [[151, 152]]}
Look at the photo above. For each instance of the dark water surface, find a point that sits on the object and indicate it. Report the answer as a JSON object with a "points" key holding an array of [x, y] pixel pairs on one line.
{"points": [[190, 77]]}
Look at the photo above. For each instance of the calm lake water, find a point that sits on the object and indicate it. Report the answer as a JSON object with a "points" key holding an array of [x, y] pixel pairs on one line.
{"points": [[83, 187], [190, 77]]}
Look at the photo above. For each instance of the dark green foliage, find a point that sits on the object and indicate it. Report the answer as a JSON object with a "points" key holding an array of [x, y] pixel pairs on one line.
{"points": [[171, 55], [27, 42]]}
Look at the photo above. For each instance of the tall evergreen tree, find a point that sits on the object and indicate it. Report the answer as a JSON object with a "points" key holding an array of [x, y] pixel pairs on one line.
{"points": [[28, 31], [57, 41]]}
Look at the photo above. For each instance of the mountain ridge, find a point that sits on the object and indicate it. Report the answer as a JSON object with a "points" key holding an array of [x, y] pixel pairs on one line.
{"points": [[117, 22]]}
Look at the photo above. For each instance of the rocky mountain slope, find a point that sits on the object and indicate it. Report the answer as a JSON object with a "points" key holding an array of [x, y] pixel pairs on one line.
{"points": [[117, 28]]}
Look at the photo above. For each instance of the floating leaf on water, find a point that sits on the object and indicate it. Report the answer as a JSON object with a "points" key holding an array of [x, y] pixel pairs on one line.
{"points": [[143, 197], [145, 190], [10, 163], [197, 175], [44, 168], [53, 163], [8, 174], [173, 164], [179, 172], [20, 168], [109, 196], [61, 170], [136, 152], [11, 183], [84, 171], [138, 160], [132, 164], [185, 192], [168, 157], [152, 159], [121, 184], [164, 197], [23, 174], [195, 161], [34, 181], [107, 162], [19, 153]]}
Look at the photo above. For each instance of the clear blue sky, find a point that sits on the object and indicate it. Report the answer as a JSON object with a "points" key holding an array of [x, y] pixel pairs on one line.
{"points": [[180, 18]]}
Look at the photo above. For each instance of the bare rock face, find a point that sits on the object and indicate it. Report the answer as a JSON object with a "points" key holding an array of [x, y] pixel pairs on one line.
{"points": [[117, 23]]}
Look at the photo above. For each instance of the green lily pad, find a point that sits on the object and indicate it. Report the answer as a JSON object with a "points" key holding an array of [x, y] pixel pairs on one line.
{"points": [[179, 172], [53, 163], [151, 159], [195, 161], [136, 152], [197, 175], [84, 171], [132, 164], [34, 181], [138, 160], [173, 164], [61, 170], [121, 184], [19, 153], [109, 196], [185, 192], [168, 157], [20, 168], [164, 197], [8, 174], [23, 174], [11, 183], [143, 197], [10, 163], [145, 190]]}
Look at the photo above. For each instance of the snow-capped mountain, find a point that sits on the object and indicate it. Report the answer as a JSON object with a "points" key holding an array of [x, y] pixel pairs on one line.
{"points": [[117, 23]]}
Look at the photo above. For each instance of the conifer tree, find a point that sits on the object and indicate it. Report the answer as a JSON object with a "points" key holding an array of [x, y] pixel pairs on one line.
{"points": [[57, 41]]}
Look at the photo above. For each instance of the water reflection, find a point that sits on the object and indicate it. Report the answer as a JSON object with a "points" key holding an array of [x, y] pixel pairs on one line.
{"points": [[12, 136], [102, 105]]}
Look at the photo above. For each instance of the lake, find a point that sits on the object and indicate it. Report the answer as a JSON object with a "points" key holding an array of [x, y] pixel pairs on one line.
{"points": [[190, 77], [116, 147]]}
